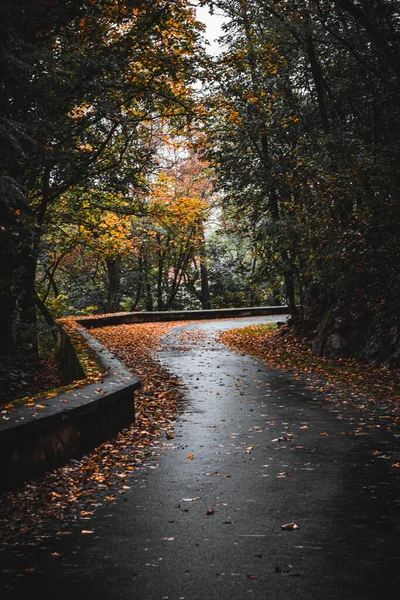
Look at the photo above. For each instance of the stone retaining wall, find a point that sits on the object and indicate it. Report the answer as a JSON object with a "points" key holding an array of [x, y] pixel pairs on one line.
{"points": [[42, 437]]}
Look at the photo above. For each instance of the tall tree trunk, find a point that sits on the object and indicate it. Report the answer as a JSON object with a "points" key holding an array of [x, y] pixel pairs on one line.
{"points": [[113, 288], [160, 303], [48, 317], [205, 297], [318, 81], [148, 294], [149, 298], [27, 338], [7, 306], [290, 292], [253, 272], [160, 271], [140, 283]]}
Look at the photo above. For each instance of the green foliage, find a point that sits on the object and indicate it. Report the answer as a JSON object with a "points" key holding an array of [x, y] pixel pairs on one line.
{"points": [[303, 130], [60, 306]]}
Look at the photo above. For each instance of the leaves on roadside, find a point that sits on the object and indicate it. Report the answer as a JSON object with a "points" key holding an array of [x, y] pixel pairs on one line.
{"points": [[82, 485], [373, 390]]}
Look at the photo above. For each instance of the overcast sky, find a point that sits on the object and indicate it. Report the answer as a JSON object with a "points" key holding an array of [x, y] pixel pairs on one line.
{"points": [[213, 23]]}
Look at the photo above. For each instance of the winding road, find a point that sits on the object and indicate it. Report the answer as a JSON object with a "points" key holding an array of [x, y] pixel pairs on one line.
{"points": [[254, 450]]}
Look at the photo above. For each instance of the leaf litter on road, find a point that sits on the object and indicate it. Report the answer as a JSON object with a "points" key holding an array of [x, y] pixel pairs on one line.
{"points": [[373, 390], [50, 505]]}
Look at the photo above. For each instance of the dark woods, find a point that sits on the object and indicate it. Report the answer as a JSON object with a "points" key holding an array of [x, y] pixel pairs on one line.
{"points": [[114, 164]]}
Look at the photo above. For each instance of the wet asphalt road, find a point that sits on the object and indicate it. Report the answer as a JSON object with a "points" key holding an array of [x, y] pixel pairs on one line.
{"points": [[253, 450]]}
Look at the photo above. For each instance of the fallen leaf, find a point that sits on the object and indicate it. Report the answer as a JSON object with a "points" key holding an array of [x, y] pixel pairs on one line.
{"points": [[289, 526]]}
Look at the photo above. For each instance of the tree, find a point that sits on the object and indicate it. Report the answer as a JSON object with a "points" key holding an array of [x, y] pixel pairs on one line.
{"points": [[136, 248], [178, 206], [81, 79], [304, 137], [254, 149]]}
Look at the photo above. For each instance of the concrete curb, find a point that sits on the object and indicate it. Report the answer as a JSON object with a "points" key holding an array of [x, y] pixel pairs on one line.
{"points": [[184, 315]]}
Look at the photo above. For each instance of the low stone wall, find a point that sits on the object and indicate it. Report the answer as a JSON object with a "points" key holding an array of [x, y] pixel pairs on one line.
{"points": [[183, 315], [46, 435]]}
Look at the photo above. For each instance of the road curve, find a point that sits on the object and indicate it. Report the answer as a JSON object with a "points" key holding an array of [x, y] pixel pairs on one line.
{"points": [[253, 451]]}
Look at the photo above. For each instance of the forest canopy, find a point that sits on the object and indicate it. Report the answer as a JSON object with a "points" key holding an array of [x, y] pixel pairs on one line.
{"points": [[139, 173], [306, 148]]}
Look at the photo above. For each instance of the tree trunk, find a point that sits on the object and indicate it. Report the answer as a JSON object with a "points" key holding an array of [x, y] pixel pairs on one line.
{"points": [[149, 298], [27, 338], [160, 303], [54, 328], [148, 295], [7, 306], [160, 270], [140, 282], [318, 82], [113, 288], [253, 272], [205, 297], [290, 296]]}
